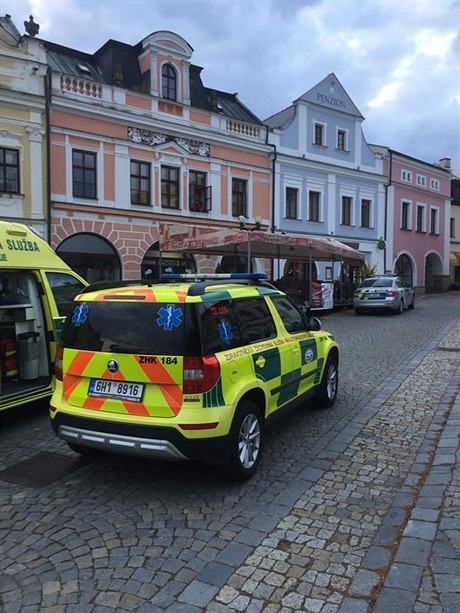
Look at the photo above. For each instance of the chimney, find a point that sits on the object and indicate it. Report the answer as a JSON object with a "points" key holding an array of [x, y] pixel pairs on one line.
{"points": [[445, 163]]}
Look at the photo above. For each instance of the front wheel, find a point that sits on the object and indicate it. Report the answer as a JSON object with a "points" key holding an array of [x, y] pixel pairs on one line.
{"points": [[246, 442], [327, 392]]}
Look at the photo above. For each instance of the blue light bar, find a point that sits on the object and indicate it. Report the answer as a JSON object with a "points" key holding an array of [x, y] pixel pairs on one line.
{"points": [[254, 276]]}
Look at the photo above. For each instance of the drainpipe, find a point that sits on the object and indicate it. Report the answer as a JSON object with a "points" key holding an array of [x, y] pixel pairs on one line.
{"points": [[273, 156], [386, 213], [272, 214], [48, 150]]}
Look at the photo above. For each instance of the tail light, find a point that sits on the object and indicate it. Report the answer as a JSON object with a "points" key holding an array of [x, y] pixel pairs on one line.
{"points": [[200, 374], [58, 363], [391, 293]]}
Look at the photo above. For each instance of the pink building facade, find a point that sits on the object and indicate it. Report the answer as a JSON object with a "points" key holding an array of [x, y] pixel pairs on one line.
{"points": [[139, 148], [417, 214]]}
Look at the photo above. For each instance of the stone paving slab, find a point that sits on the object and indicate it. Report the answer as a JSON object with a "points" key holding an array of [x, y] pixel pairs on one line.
{"points": [[355, 540], [333, 532]]}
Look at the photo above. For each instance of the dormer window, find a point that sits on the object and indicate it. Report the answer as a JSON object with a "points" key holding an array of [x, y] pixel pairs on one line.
{"points": [[83, 68], [168, 82]]}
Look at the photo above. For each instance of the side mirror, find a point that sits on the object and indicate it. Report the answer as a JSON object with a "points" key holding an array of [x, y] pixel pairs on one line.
{"points": [[314, 323]]}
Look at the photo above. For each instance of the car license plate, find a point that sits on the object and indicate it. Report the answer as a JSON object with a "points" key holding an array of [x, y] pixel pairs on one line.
{"points": [[122, 390]]}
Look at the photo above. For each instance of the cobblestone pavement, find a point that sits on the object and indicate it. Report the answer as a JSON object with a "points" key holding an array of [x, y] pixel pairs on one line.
{"points": [[353, 509]]}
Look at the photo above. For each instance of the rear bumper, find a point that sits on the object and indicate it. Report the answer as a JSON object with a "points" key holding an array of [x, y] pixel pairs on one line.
{"points": [[148, 441], [388, 303]]}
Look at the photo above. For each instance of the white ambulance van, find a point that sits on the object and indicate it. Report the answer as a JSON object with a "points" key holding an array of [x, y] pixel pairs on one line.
{"points": [[36, 291]]}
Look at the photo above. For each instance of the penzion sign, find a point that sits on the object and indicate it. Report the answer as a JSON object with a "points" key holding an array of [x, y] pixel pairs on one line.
{"points": [[330, 100]]}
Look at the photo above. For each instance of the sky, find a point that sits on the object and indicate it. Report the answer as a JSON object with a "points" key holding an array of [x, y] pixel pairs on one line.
{"points": [[398, 60]]}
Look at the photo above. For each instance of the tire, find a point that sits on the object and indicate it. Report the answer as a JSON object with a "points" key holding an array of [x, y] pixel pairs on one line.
{"points": [[358, 311], [400, 308], [327, 392], [411, 307], [246, 442]]}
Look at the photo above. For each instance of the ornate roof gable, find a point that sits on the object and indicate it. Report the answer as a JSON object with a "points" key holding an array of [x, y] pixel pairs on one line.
{"points": [[329, 93]]}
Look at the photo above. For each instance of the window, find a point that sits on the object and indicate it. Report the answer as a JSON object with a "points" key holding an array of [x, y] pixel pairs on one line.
{"points": [[420, 218], [405, 215], [406, 176], [9, 170], [140, 182], [239, 204], [168, 82], [64, 287], [169, 187], [199, 194], [254, 319], [291, 202], [313, 206], [84, 174], [434, 221], [341, 140], [421, 180], [319, 134], [452, 227], [290, 315], [365, 213], [434, 184], [346, 210]]}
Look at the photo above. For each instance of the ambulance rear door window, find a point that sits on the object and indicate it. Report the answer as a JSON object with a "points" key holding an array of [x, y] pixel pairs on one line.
{"points": [[123, 327]]}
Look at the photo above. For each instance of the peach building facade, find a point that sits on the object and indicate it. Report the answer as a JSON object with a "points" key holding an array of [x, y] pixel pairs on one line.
{"points": [[139, 148]]}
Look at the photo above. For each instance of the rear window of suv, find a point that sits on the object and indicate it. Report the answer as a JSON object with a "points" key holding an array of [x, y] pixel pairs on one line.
{"points": [[140, 328]]}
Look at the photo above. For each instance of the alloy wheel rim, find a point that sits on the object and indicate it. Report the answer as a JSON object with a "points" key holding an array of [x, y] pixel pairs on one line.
{"points": [[249, 441], [331, 381]]}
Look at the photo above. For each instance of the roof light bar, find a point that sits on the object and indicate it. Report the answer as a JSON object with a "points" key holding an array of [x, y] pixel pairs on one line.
{"points": [[205, 276]]}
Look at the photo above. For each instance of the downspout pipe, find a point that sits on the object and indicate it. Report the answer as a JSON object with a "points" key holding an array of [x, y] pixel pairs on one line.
{"points": [[272, 213], [385, 233], [273, 157], [48, 150]]}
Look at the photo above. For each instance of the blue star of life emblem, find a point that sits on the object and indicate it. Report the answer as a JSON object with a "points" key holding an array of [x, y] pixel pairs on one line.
{"points": [[79, 314], [169, 317], [225, 332]]}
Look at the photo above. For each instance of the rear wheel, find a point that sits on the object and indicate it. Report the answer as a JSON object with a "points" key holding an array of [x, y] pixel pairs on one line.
{"points": [[327, 392], [400, 308], [412, 304], [246, 442], [358, 311]]}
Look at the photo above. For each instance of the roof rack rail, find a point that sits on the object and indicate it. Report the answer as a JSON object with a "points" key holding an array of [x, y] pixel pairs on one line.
{"points": [[101, 285], [254, 276]]}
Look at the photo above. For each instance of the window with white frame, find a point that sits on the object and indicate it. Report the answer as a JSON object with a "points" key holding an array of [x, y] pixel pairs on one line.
{"points": [[140, 182], [421, 180], [9, 170], [421, 218], [319, 137], [406, 175], [434, 220], [168, 82], [406, 215], [341, 140], [170, 187], [346, 210], [239, 197], [365, 213], [84, 176], [199, 192], [314, 206], [434, 184], [292, 203]]}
